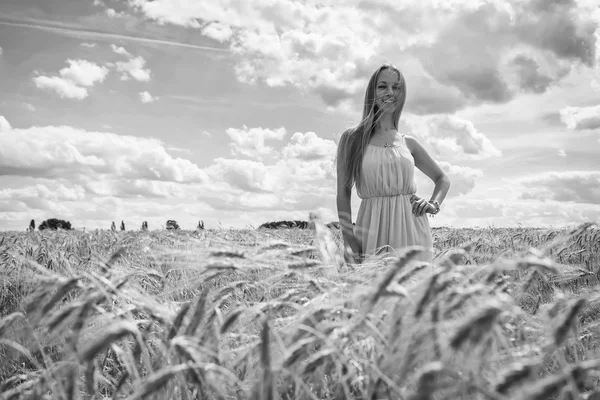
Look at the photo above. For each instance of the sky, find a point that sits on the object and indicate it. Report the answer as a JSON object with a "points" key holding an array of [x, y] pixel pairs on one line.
{"points": [[230, 111]]}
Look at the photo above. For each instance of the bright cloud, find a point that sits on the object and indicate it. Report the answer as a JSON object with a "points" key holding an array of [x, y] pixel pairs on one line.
{"points": [[1, 51], [463, 178], [146, 97], [301, 178], [250, 142], [217, 31], [74, 79], [64, 87], [83, 156], [84, 73], [308, 146], [4, 125], [581, 118], [120, 50], [112, 13], [134, 68]]}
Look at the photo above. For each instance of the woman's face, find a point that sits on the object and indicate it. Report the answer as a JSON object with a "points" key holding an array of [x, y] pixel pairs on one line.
{"points": [[387, 90]]}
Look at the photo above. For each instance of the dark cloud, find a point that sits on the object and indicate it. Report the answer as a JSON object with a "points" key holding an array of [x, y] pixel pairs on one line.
{"points": [[552, 118], [530, 79], [465, 55], [469, 52], [557, 27]]}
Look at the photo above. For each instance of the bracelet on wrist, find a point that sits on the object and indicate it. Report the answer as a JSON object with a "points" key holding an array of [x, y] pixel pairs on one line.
{"points": [[436, 205]]}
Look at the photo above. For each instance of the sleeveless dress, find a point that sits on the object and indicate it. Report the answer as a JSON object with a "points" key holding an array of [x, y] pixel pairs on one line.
{"points": [[385, 216]]}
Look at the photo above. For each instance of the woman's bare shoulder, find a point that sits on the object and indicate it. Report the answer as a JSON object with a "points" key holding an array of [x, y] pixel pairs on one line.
{"points": [[411, 142]]}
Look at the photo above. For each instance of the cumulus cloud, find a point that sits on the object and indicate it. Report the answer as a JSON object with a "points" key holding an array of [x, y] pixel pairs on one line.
{"points": [[308, 146], [581, 118], [120, 50], [470, 52], [449, 136], [64, 87], [217, 31], [4, 125], [84, 73], [300, 177], [74, 79], [463, 178], [134, 68], [567, 186], [146, 97], [63, 151], [250, 142], [112, 13]]}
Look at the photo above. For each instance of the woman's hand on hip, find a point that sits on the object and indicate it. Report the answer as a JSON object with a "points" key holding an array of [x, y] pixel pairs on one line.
{"points": [[420, 206]]}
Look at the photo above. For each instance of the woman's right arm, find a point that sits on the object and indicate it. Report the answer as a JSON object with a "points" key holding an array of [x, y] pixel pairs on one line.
{"points": [[344, 193]]}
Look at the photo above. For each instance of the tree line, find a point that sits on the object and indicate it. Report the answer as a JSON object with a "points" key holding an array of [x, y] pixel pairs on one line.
{"points": [[55, 224]]}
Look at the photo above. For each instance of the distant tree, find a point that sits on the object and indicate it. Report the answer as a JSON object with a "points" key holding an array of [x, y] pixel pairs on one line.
{"points": [[31, 226], [145, 225], [54, 224], [200, 225], [113, 227], [172, 224], [122, 225]]}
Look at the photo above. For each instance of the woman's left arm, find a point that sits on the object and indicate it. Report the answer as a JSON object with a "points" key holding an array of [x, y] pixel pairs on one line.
{"points": [[429, 167]]}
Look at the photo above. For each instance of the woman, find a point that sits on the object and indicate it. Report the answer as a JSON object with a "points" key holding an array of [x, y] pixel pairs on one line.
{"points": [[381, 161]]}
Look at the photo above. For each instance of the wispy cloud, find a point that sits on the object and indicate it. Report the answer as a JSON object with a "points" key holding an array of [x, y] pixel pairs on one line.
{"points": [[77, 31]]}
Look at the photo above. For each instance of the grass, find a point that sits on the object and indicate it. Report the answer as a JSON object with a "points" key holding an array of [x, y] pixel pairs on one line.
{"points": [[245, 314]]}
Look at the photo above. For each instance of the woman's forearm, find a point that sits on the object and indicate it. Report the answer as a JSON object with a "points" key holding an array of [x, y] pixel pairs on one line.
{"points": [[440, 190], [345, 215]]}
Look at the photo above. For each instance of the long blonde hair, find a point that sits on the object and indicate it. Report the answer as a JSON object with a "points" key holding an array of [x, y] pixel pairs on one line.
{"points": [[354, 141]]}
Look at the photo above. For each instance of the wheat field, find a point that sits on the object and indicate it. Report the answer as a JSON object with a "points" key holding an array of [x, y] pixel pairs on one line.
{"points": [[277, 314]]}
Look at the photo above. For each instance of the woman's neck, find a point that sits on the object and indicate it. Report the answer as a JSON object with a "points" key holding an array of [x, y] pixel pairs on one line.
{"points": [[385, 126], [385, 123]]}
